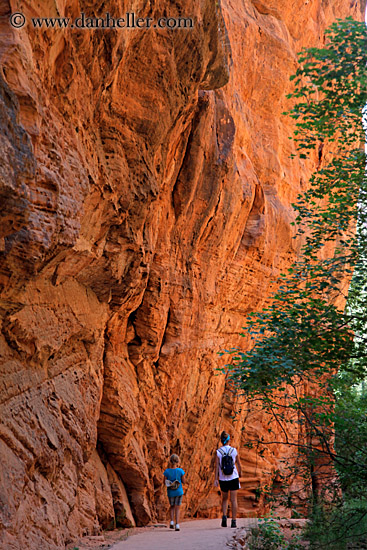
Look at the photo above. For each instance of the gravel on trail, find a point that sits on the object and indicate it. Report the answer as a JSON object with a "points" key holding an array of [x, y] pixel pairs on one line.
{"points": [[194, 535]]}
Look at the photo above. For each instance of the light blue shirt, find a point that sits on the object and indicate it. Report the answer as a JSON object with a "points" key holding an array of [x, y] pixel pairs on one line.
{"points": [[172, 474]]}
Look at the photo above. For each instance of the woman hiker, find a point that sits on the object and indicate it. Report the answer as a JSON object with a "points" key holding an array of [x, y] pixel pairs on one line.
{"points": [[228, 470], [174, 477]]}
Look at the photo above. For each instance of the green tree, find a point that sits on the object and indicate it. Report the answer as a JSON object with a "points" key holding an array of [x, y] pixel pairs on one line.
{"points": [[309, 346]]}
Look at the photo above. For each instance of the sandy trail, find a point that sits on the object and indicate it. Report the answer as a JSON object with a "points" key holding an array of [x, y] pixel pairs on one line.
{"points": [[194, 535]]}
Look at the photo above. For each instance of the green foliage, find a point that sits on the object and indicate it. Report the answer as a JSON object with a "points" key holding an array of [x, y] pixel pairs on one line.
{"points": [[303, 330], [309, 352], [351, 437], [269, 536], [339, 528], [338, 72], [331, 97]]}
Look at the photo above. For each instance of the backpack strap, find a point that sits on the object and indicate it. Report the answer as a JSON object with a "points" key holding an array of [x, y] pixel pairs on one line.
{"points": [[226, 454]]}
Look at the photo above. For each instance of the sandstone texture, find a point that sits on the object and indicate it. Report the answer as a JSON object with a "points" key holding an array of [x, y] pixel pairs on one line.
{"points": [[145, 188]]}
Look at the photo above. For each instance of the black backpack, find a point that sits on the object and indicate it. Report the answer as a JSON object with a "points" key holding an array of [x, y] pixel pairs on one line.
{"points": [[227, 463]]}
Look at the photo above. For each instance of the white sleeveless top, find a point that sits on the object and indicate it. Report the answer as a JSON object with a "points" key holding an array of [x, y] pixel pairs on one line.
{"points": [[234, 474]]}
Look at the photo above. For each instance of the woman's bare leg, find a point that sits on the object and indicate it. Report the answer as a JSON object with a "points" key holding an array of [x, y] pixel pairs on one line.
{"points": [[234, 504], [224, 503]]}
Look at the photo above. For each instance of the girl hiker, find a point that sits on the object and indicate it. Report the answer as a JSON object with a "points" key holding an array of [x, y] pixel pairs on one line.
{"points": [[228, 471], [174, 477]]}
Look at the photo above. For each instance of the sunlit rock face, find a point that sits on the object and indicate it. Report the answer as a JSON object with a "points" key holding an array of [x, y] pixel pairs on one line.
{"points": [[146, 184]]}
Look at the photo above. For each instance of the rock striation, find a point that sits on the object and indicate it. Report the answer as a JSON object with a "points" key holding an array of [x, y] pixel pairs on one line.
{"points": [[145, 187]]}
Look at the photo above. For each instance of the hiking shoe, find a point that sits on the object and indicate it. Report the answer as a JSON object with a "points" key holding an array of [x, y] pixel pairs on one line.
{"points": [[177, 528], [233, 523], [224, 521], [172, 525]]}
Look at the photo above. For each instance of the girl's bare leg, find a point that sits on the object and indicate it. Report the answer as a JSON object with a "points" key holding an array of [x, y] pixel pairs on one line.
{"points": [[177, 513], [172, 512]]}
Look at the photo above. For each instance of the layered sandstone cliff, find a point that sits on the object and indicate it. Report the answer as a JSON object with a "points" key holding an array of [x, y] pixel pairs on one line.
{"points": [[146, 184]]}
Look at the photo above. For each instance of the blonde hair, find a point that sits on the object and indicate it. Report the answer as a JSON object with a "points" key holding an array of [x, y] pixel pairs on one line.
{"points": [[174, 459]]}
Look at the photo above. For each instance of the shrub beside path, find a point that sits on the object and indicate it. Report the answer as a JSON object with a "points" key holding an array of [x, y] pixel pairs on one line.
{"points": [[204, 534]]}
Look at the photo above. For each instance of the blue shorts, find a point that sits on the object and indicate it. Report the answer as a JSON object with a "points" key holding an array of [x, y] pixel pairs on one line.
{"points": [[175, 501]]}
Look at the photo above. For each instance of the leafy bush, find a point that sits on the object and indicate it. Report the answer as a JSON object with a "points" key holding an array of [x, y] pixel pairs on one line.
{"points": [[269, 536], [341, 528]]}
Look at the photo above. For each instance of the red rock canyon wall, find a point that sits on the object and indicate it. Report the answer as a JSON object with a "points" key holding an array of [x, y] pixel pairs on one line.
{"points": [[145, 187]]}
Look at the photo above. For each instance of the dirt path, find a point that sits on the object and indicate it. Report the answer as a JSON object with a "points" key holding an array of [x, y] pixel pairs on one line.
{"points": [[194, 535]]}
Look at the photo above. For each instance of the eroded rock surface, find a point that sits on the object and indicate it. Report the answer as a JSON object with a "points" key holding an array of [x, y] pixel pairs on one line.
{"points": [[145, 190]]}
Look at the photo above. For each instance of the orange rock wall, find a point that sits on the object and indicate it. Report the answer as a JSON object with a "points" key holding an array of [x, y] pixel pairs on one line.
{"points": [[145, 185]]}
